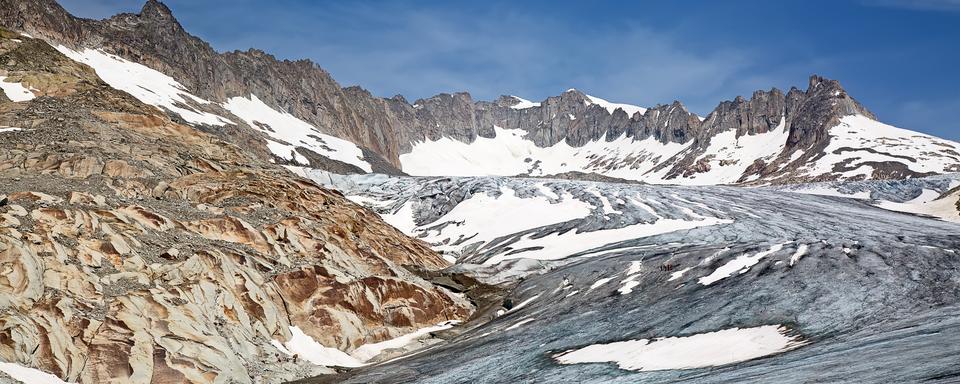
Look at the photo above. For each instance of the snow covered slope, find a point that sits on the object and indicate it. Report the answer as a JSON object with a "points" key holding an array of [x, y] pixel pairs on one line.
{"points": [[146, 84], [510, 154], [612, 107], [286, 133], [285, 128], [858, 147]]}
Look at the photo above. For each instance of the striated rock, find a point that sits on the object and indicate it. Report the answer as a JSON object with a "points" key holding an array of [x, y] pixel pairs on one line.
{"points": [[136, 249]]}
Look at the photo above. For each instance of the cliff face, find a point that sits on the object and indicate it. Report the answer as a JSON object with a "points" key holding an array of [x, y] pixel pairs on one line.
{"points": [[142, 250]]}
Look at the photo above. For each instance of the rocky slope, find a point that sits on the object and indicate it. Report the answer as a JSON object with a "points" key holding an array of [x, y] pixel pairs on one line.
{"points": [[138, 249], [772, 137]]}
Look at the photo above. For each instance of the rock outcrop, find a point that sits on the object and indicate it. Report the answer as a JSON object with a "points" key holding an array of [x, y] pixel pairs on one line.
{"points": [[137, 249]]}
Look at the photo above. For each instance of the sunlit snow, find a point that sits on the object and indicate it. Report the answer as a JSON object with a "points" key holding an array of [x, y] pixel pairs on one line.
{"points": [[688, 352], [369, 351], [611, 107], [523, 103], [29, 375], [483, 218], [729, 156], [928, 203], [510, 154], [742, 264], [295, 132], [15, 91], [145, 84], [801, 250], [872, 141], [307, 348]]}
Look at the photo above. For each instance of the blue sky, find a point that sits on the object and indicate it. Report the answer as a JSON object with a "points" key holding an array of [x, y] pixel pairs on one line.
{"points": [[898, 57]]}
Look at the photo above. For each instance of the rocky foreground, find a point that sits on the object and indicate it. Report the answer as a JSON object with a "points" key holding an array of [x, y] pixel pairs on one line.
{"points": [[137, 249]]}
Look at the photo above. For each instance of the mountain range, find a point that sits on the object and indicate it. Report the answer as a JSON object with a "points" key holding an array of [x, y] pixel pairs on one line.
{"points": [[170, 213], [820, 134]]}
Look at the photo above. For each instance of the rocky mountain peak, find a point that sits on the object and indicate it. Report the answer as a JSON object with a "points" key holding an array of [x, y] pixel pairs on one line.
{"points": [[817, 80], [574, 93], [831, 89], [156, 10], [506, 101], [156, 17]]}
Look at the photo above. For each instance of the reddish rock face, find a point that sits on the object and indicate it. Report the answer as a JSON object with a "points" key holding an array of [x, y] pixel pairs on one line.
{"points": [[135, 249]]}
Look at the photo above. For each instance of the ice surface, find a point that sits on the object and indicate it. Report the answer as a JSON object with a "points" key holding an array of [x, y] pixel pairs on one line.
{"points": [[557, 246]]}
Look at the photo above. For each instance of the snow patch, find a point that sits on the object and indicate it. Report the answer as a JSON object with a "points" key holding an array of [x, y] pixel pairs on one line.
{"points": [[287, 128], [928, 203], [611, 107], [519, 323], [29, 375], [688, 352], [369, 351], [742, 264], [15, 91], [801, 250], [307, 348], [630, 282], [679, 274], [857, 136], [523, 103], [483, 218], [600, 282], [729, 156], [145, 84], [523, 304]]}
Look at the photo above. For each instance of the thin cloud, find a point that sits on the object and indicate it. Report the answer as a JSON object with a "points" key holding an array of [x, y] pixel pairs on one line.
{"points": [[917, 5], [941, 114], [419, 52]]}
